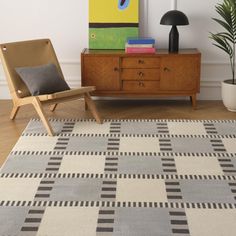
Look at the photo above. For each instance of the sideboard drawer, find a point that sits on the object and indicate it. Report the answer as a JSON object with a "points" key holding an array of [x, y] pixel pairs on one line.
{"points": [[140, 74], [140, 62], [141, 86]]}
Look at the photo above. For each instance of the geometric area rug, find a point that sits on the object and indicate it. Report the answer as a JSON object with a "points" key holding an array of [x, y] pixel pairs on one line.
{"points": [[124, 177]]}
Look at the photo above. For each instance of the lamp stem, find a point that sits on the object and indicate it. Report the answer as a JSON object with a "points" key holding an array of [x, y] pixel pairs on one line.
{"points": [[174, 5], [174, 39]]}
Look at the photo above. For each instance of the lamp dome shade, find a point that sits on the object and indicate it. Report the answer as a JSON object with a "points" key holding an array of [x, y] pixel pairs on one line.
{"points": [[174, 17]]}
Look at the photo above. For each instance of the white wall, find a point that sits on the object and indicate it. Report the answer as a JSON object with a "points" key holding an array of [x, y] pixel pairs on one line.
{"points": [[66, 23]]}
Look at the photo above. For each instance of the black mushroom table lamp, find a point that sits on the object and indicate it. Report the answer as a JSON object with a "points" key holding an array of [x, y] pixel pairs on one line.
{"points": [[174, 18]]}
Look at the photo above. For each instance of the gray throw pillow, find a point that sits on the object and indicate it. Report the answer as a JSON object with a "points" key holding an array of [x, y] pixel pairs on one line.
{"points": [[44, 79]]}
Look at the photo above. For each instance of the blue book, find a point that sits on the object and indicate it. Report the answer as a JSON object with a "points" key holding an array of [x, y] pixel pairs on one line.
{"points": [[141, 41]]}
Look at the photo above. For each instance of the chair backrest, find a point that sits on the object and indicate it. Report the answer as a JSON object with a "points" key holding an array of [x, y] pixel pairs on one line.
{"points": [[24, 54]]}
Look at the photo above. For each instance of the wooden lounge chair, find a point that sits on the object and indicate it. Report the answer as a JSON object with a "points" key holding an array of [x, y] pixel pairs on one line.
{"points": [[34, 53]]}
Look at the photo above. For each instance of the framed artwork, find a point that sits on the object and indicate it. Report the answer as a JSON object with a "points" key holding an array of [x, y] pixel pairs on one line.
{"points": [[111, 22]]}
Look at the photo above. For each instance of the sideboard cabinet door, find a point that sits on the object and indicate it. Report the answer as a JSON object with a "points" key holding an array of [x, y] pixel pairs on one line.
{"points": [[180, 73], [102, 72]]}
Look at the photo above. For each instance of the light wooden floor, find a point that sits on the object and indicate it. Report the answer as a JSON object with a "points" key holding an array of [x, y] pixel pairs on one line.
{"points": [[10, 131]]}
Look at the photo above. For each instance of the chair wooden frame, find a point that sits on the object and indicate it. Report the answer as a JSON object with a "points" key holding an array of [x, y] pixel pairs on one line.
{"points": [[34, 53]]}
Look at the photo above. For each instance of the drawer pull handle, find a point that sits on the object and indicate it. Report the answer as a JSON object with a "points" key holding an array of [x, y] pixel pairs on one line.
{"points": [[141, 74], [141, 84], [141, 61], [166, 69], [116, 69]]}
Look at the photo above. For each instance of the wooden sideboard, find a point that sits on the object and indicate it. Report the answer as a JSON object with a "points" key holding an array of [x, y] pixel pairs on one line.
{"points": [[116, 73]]}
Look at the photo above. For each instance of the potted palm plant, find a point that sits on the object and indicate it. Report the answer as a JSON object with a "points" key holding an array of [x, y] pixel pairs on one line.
{"points": [[226, 41]]}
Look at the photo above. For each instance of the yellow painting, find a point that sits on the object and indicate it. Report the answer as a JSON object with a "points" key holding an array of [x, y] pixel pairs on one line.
{"points": [[111, 22], [104, 11]]}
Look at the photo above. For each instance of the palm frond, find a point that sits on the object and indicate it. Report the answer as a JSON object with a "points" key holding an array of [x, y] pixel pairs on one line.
{"points": [[222, 43], [226, 40], [225, 12], [224, 25], [227, 36], [233, 16]]}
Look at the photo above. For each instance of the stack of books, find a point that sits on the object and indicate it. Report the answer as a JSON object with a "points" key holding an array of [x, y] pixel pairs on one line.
{"points": [[140, 45]]}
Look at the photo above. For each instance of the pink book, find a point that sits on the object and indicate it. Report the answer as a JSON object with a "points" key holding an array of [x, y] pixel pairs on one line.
{"points": [[140, 50]]}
